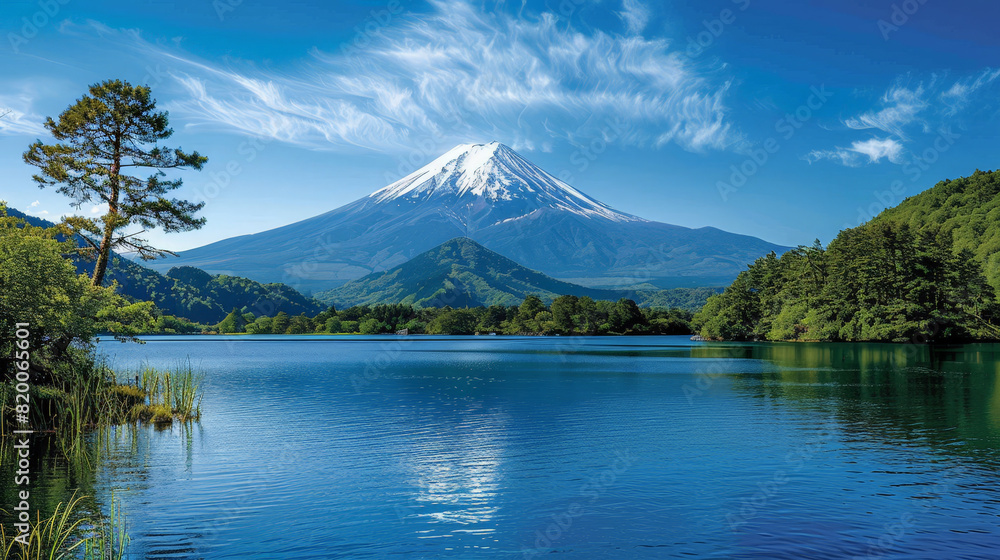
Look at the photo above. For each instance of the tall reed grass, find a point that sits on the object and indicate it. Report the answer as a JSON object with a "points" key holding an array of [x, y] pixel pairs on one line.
{"points": [[86, 396], [68, 534], [170, 394]]}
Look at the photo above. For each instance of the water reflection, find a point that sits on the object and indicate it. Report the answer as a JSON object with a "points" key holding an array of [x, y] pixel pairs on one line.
{"points": [[948, 397], [465, 448]]}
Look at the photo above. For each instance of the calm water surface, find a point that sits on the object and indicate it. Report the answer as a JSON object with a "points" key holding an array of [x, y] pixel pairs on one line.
{"points": [[617, 448]]}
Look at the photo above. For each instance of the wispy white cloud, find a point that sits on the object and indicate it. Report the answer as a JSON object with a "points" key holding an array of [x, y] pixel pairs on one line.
{"points": [[635, 14], [878, 148], [957, 97], [16, 117], [457, 74], [901, 107], [34, 210], [906, 111], [874, 149]]}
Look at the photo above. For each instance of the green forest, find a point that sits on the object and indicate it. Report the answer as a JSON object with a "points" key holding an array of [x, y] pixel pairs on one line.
{"points": [[925, 271], [567, 315], [966, 210]]}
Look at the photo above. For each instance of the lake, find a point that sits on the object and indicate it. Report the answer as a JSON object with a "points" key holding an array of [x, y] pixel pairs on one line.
{"points": [[604, 447]]}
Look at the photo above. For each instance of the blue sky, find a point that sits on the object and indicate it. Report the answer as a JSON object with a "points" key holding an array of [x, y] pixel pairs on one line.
{"points": [[787, 120]]}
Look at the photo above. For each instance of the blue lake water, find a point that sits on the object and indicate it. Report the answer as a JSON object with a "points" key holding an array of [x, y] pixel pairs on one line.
{"points": [[496, 447]]}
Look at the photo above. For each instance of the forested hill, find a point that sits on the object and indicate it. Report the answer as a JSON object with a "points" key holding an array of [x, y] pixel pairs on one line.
{"points": [[463, 273], [966, 209], [192, 293], [913, 274]]}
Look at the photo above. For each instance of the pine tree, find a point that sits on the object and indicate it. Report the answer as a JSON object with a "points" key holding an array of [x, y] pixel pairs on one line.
{"points": [[114, 128]]}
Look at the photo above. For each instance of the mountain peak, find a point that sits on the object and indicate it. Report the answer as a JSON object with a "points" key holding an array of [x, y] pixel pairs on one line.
{"points": [[493, 175]]}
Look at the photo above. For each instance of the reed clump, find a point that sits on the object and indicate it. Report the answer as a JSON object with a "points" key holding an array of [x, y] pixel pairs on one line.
{"points": [[171, 394], [70, 534], [84, 395]]}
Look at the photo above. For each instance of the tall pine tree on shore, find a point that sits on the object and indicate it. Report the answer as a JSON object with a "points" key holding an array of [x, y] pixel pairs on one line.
{"points": [[113, 129]]}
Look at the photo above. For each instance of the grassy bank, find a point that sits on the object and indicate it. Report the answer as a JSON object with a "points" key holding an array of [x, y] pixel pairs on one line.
{"points": [[85, 394]]}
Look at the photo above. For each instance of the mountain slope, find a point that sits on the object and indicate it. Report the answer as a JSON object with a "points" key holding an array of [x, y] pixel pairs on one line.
{"points": [[191, 293], [463, 273], [910, 275], [967, 208], [488, 193], [459, 273]]}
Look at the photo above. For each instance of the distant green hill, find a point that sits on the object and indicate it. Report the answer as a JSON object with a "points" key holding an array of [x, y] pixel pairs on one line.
{"points": [[968, 209], [233, 292], [192, 293], [463, 273]]}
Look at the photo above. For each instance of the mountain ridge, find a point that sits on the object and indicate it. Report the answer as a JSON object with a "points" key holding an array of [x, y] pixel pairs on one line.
{"points": [[191, 293], [463, 273], [491, 194]]}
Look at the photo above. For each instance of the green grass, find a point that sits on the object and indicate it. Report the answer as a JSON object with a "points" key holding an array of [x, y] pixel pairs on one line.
{"points": [[69, 535], [173, 394], [85, 396]]}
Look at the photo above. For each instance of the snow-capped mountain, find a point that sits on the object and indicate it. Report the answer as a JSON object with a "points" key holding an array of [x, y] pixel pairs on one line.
{"points": [[495, 178], [491, 194]]}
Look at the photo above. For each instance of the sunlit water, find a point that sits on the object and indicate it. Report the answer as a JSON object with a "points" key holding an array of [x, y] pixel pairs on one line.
{"points": [[617, 448]]}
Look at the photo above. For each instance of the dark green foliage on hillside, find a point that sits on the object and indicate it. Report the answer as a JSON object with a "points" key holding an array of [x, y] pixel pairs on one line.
{"points": [[966, 209], [170, 296], [191, 276], [690, 299], [196, 295], [192, 293], [230, 292], [567, 315], [463, 273], [882, 281]]}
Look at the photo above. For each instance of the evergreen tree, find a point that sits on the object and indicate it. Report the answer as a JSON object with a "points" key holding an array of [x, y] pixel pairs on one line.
{"points": [[114, 128], [280, 323]]}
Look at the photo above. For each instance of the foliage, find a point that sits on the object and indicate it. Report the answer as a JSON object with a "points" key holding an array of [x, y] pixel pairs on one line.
{"points": [[567, 315], [688, 299], [191, 296], [113, 128], [169, 394], [233, 323], [40, 287], [72, 392], [966, 209], [883, 281], [199, 297], [67, 534]]}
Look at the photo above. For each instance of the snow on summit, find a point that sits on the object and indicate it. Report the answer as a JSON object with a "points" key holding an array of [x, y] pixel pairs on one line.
{"points": [[474, 173]]}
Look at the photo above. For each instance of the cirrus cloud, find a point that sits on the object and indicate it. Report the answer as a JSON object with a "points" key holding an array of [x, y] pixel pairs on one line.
{"points": [[874, 149], [458, 73], [904, 112]]}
